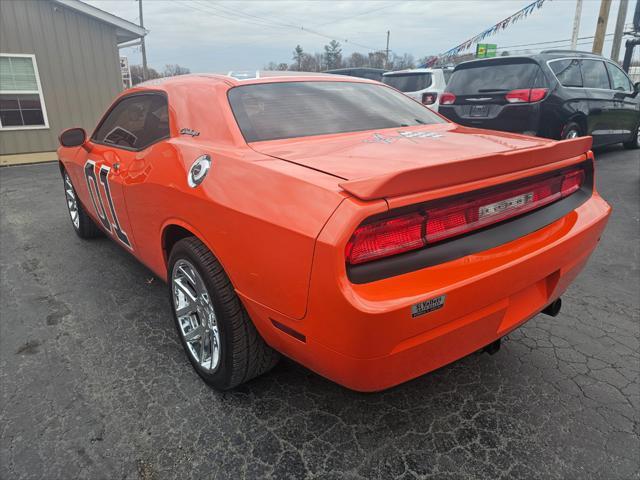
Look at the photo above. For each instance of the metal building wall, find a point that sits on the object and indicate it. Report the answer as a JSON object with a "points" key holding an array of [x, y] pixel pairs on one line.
{"points": [[78, 61]]}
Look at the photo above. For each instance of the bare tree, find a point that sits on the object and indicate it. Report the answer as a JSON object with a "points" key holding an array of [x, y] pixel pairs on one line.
{"points": [[136, 74], [171, 70], [332, 58], [402, 62], [308, 63], [356, 60], [377, 59]]}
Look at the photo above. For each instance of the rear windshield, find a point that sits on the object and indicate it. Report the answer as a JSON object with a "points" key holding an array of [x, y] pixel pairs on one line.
{"points": [[269, 111], [408, 82], [494, 78]]}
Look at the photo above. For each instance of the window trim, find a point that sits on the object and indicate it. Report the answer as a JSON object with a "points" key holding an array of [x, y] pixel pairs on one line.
{"points": [[27, 92], [549, 62], [614, 65], [118, 102], [605, 60], [605, 71]]}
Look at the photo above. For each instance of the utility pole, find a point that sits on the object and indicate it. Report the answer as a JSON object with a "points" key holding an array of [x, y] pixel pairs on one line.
{"points": [[145, 70], [386, 61], [576, 25], [617, 35], [601, 27]]}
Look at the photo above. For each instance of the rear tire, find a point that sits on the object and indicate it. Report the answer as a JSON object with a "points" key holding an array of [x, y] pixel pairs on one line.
{"points": [[634, 142], [83, 225], [211, 313], [571, 130]]}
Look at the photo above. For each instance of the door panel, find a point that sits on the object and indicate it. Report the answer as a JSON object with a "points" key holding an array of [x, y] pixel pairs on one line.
{"points": [[121, 141], [105, 187], [601, 122], [626, 104]]}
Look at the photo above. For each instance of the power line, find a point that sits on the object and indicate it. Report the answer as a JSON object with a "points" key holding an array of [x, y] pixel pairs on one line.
{"points": [[232, 11], [562, 46], [358, 14], [550, 41], [265, 22]]}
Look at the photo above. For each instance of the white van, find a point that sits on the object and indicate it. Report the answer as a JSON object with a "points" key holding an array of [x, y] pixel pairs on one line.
{"points": [[425, 85]]}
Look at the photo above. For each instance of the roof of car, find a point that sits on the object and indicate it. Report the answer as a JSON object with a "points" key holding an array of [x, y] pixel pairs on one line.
{"points": [[235, 78], [351, 69], [409, 70], [543, 56]]}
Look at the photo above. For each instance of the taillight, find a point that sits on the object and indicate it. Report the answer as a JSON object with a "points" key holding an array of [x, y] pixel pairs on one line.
{"points": [[386, 237], [458, 216], [526, 95], [429, 98], [447, 98]]}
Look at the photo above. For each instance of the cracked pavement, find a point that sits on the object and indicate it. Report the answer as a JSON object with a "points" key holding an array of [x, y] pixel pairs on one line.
{"points": [[94, 383]]}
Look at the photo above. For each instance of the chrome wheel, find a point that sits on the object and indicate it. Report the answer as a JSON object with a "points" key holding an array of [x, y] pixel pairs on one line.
{"points": [[196, 316], [571, 134], [72, 202]]}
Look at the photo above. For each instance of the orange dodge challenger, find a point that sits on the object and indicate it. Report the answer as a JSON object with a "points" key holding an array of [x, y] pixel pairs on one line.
{"points": [[333, 220]]}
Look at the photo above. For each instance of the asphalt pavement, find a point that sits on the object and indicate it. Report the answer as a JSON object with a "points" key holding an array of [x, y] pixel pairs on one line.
{"points": [[94, 383]]}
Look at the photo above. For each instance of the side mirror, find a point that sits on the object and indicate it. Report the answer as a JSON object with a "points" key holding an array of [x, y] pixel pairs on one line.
{"points": [[73, 137], [636, 87]]}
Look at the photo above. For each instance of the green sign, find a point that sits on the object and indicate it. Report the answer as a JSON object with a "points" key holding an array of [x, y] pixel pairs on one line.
{"points": [[486, 50]]}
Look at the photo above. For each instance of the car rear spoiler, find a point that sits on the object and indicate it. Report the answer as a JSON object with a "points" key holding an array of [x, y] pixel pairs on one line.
{"points": [[464, 170]]}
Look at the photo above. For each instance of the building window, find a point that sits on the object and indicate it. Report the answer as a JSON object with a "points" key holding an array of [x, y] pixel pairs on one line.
{"points": [[21, 101]]}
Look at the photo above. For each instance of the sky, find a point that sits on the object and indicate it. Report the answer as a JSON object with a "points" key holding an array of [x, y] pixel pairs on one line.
{"points": [[218, 36]]}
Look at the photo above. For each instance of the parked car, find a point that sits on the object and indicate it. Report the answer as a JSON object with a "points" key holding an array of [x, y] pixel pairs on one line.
{"points": [[331, 219], [556, 94], [360, 72], [425, 85]]}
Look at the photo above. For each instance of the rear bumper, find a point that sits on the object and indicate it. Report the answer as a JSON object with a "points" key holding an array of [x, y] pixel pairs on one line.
{"points": [[523, 118], [365, 338]]}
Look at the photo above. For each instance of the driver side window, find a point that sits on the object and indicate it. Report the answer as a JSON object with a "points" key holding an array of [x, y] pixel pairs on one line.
{"points": [[135, 122]]}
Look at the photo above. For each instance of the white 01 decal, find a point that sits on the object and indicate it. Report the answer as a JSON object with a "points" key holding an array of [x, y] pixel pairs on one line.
{"points": [[98, 204]]}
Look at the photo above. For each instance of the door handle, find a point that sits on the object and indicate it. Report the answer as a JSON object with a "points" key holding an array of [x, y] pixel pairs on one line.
{"points": [[116, 166]]}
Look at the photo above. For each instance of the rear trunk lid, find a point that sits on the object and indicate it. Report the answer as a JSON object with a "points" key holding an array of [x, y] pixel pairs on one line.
{"points": [[392, 162]]}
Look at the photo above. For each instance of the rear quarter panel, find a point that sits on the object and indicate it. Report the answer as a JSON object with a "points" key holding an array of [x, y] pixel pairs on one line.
{"points": [[259, 217]]}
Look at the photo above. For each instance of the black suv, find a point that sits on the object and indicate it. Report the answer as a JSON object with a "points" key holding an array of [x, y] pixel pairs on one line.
{"points": [[555, 94]]}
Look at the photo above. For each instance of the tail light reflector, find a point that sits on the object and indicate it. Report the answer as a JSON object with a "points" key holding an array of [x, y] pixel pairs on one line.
{"points": [[462, 215], [526, 95], [385, 238], [447, 98], [429, 98]]}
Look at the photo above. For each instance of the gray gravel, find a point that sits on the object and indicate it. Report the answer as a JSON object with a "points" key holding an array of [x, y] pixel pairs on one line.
{"points": [[95, 384]]}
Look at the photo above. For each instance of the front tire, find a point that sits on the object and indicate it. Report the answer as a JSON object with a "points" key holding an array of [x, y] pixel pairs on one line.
{"points": [[216, 332], [634, 142], [82, 224]]}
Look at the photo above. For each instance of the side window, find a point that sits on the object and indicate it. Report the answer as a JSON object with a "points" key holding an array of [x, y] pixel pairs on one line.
{"points": [[594, 74], [567, 72], [619, 80], [136, 122]]}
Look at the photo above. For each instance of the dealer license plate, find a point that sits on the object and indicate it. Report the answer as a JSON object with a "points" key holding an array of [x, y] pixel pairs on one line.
{"points": [[507, 204]]}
